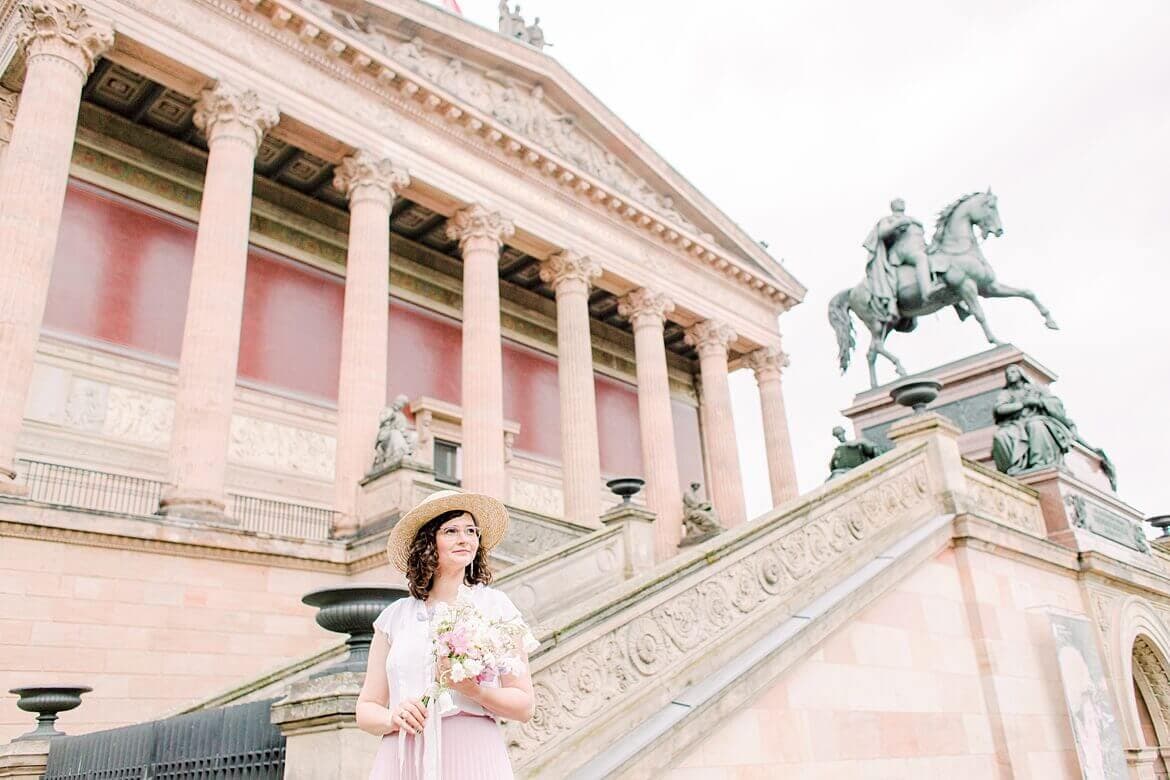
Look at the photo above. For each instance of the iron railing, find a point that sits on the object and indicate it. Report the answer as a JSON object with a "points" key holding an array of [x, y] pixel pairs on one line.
{"points": [[100, 491], [281, 518], [219, 744], [52, 483]]}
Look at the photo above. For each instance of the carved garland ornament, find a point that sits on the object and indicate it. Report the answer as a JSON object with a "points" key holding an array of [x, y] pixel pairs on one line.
{"points": [[569, 267], [592, 681], [645, 307], [65, 29], [226, 110], [365, 171], [711, 338], [476, 222], [767, 363]]}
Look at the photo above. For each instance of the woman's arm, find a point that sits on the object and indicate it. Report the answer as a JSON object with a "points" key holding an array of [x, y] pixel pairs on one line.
{"points": [[373, 715]]}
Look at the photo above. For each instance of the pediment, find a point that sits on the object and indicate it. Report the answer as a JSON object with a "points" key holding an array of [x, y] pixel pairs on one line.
{"points": [[535, 98]]}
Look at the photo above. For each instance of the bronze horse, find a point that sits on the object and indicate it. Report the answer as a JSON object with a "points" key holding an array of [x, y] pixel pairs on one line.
{"points": [[955, 258]]}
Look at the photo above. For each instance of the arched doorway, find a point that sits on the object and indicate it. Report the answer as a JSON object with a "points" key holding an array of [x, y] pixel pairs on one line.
{"points": [[1151, 694]]}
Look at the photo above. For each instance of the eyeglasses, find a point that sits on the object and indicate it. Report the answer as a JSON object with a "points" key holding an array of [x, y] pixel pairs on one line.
{"points": [[453, 532]]}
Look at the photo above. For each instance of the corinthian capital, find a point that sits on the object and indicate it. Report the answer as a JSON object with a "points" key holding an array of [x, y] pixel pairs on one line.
{"points": [[362, 174], [645, 307], [767, 362], [569, 267], [710, 337], [476, 222], [229, 111], [64, 29]]}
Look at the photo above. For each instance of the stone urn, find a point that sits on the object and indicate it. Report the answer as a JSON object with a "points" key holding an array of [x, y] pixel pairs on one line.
{"points": [[352, 610], [916, 393], [625, 487], [47, 701]]}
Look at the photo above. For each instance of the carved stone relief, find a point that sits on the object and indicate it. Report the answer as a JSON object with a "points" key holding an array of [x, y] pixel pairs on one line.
{"points": [[281, 447], [519, 106], [85, 409], [138, 417], [1001, 504], [537, 497]]}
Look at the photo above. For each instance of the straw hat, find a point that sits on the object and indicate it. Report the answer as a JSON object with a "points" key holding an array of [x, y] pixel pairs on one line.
{"points": [[489, 513]]}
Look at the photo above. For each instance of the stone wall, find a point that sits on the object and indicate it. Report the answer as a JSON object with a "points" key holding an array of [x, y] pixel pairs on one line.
{"points": [[909, 688], [149, 630]]}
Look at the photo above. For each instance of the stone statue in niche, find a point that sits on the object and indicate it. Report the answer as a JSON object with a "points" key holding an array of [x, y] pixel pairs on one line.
{"points": [[850, 454], [699, 518], [396, 439]]}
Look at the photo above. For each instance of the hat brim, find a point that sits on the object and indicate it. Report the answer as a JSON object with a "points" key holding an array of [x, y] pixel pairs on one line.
{"points": [[490, 516]]}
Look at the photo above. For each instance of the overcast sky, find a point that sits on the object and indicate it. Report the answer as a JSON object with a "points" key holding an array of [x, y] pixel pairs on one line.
{"points": [[801, 120]]}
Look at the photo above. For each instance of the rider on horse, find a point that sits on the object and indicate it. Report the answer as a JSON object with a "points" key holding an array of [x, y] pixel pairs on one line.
{"points": [[881, 269]]}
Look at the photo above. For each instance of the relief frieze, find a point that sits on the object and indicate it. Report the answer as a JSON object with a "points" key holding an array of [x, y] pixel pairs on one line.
{"points": [[520, 107]]}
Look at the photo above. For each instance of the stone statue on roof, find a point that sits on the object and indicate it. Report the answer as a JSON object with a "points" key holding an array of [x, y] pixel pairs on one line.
{"points": [[512, 25]]}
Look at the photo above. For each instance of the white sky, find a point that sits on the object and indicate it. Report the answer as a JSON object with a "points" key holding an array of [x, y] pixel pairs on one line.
{"points": [[801, 120]]}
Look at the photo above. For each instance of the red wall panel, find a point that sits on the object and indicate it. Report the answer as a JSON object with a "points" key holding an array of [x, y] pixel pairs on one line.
{"points": [[425, 354], [617, 427], [120, 273], [290, 337], [532, 398], [688, 443]]}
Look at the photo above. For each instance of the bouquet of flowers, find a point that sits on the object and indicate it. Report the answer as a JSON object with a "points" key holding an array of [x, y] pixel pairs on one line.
{"points": [[478, 647]]}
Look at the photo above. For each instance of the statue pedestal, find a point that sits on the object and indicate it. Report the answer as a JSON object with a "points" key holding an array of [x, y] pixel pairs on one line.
{"points": [[1078, 515], [393, 490], [967, 398]]}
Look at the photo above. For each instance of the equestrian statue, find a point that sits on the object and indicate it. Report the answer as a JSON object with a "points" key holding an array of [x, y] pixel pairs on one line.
{"points": [[906, 278]]}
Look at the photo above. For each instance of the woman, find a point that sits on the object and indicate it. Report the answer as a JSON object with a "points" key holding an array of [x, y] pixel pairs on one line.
{"points": [[441, 545]]}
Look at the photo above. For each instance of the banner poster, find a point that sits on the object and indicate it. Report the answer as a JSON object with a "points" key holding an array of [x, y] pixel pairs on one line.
{"points": [[1090, 710]]}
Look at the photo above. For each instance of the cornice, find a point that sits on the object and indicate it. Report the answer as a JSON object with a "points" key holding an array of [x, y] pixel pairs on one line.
{"points": [[347, 56]]}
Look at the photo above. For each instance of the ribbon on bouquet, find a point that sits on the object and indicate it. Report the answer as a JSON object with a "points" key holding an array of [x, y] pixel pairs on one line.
{"points": [[427, 754]]}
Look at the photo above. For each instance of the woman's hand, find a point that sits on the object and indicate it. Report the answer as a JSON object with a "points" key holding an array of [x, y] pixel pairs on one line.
{"points": [[410, 716], [468, 687]]}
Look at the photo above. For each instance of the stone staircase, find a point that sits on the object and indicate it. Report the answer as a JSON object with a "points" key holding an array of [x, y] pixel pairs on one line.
{"points": [[629, 680]]}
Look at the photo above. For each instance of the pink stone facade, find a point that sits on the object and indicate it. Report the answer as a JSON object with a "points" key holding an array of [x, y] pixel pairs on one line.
{"points": [[952, 674]]}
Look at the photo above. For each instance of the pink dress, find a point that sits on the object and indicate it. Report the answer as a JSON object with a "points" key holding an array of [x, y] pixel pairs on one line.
{"points": [[461, 740]]}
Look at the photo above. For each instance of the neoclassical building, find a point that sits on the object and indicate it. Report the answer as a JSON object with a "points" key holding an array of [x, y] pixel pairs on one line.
{"points": [[235, 231]]}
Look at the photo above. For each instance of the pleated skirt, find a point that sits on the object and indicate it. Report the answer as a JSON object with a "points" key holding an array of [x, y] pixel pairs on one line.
{"points": [[472, 749]]}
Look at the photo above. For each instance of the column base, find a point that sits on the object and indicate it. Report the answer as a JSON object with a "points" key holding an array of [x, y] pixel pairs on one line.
{"points": [[191, 506]]}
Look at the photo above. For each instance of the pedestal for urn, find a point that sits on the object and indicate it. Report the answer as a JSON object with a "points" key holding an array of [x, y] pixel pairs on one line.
{"points": [[967, 397], [389, 492]]}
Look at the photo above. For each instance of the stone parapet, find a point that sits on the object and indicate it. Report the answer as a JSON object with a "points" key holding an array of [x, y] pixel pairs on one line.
{"points": [[323, 741], [24, 759]]}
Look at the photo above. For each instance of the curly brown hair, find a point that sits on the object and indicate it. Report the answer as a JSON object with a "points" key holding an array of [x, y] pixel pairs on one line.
{"points": [[423, 560]]}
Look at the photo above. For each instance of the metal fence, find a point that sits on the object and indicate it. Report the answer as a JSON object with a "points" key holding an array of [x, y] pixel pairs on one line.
{"points": [[52, 483], [220, 744], [281, 518]]}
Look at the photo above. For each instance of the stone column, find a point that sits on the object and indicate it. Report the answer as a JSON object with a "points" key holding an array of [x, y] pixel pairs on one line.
{"points": [[371, 184], [60, 42], [8, 103], [647, 312], [234, 121], [481, 233], [570, 274], [712, 338], [768, 363]]}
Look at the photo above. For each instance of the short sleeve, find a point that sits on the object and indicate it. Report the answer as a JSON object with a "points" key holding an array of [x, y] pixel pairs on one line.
{"points": [[385, 620], [506, 610]]}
